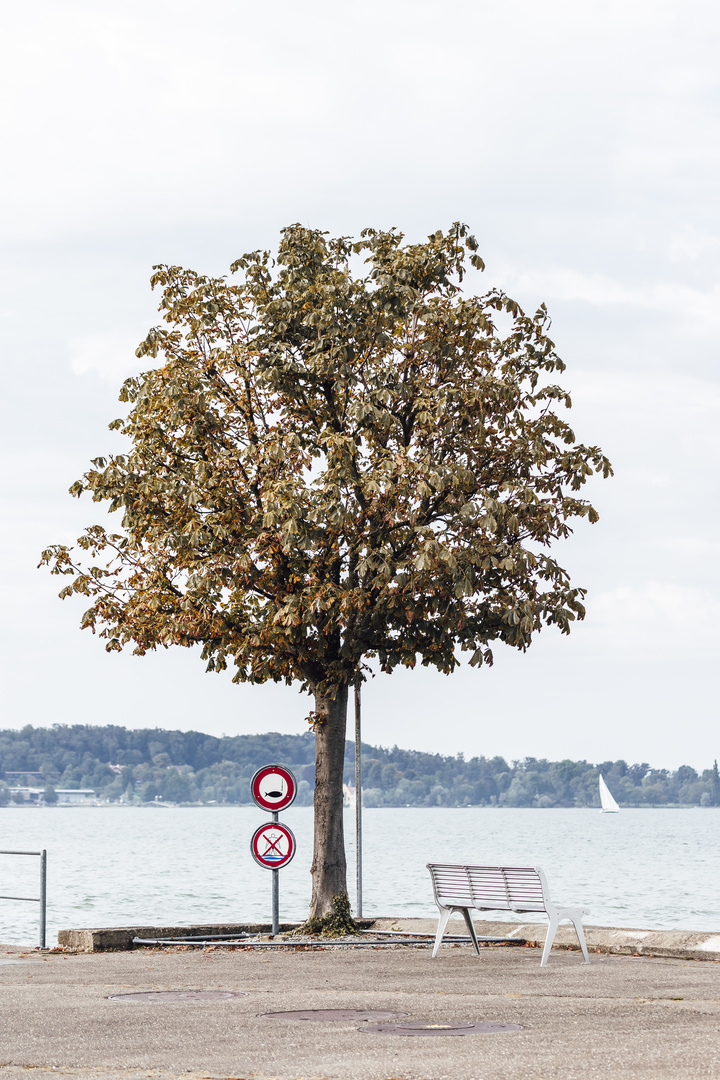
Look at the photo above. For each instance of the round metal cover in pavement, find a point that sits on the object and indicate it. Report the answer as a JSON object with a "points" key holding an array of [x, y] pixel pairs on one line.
{"points": [[179, 995], [333, 1014], [429, 1027]]}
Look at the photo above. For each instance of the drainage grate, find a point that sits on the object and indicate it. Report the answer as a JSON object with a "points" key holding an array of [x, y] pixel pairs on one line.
{"points": [[428, 1027], [179, 995], [333, 1014]]}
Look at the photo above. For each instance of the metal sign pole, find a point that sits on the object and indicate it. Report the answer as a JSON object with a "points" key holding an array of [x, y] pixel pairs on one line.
{"points": [[358, 802], [275, 895], [273, 788]]}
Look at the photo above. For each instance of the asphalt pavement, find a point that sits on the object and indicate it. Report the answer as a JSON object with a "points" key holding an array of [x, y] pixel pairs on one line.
{"points": [[618, 1018]]}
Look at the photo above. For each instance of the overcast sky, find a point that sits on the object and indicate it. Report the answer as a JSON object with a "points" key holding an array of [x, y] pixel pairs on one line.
{"points": [[579, 141]]}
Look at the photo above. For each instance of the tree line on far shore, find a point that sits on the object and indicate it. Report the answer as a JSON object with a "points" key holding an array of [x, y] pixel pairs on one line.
{"points": [[153, 765]]}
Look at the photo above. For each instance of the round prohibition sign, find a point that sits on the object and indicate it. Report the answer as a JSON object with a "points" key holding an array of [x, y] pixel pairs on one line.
{"points": [[272, 845], [273, 788]]}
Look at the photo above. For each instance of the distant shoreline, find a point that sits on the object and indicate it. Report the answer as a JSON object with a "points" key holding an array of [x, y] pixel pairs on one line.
{"points": [[85, 763], [251, 806]]}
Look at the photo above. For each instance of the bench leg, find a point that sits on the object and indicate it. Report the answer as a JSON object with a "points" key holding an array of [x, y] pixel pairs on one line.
{"points": [[577, 923], [551, 932], [442, 923], [471, 929]]}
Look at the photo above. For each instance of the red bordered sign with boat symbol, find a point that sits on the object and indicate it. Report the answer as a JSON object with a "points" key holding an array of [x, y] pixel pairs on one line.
{"points": [[272, 845], [273, 788]]}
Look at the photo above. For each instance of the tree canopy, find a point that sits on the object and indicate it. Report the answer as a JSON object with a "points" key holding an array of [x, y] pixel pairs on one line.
{"points": [[337, 456]]}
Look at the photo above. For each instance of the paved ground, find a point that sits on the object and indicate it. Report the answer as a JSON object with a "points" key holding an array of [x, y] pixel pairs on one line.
{"points": [[618, 1018]]}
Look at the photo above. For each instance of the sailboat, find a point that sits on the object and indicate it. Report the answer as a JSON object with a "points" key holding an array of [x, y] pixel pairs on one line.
{"points": [[608, 804]]}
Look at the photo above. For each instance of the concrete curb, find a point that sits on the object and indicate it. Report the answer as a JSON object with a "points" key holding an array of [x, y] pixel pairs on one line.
{"points": [[120, 938], [620, 941]]}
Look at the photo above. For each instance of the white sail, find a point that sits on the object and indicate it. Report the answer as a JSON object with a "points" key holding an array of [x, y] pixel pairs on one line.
{"points": [[608, 804]]}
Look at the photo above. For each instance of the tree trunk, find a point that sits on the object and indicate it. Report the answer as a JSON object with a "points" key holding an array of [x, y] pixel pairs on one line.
{"points": [[329, 869]]}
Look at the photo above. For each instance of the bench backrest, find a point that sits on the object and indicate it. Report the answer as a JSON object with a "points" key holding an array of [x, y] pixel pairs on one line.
{"points": [[489, 888]]}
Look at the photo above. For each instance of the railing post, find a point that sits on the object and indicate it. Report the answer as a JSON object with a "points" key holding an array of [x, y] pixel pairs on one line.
{"points": [[43, 896]]}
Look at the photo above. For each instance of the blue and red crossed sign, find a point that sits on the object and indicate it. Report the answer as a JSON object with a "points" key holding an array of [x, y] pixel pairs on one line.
{"points": [[273, 845]]}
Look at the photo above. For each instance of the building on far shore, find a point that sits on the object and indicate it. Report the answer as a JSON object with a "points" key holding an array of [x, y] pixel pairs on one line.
{"points": [[26, 777], [66, 796]]}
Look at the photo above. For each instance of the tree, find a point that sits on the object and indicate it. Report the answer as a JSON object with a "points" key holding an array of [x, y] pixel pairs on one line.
{"points": [[50, 795], [332, 462], [715, 785], [176, 788]]}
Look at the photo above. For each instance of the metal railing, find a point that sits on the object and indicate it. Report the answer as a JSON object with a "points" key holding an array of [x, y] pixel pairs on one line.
{"points": [[42, 898]]}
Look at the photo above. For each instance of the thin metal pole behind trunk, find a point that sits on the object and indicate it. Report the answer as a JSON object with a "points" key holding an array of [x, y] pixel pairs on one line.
{"points": [[275, 895], [358, 802]]}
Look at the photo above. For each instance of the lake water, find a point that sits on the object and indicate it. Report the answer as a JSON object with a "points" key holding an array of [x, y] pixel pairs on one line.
{"points": [[119, 866]]}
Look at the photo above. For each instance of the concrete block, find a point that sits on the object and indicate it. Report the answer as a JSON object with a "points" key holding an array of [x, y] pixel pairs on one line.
{"points": [[120, 938]]}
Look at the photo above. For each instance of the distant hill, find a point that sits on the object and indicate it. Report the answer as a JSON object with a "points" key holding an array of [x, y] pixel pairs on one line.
{"points": [[191, 767]]}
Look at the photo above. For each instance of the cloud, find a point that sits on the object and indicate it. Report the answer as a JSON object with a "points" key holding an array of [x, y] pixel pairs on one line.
{"points": [[664, 397], [690, 244], [656, 617], [698, 308], [110, 355]]}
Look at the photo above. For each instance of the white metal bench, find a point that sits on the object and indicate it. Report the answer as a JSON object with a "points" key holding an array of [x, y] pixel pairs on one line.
{"points": [[460, 887]]}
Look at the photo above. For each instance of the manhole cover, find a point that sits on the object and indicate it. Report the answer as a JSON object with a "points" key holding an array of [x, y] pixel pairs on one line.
{"points": [[427, 1027], [334, 1014], [179, 995]]}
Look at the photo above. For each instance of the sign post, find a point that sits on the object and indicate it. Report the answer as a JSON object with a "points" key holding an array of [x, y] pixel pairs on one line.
{"points": [[275, 892], [273, 845]]}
